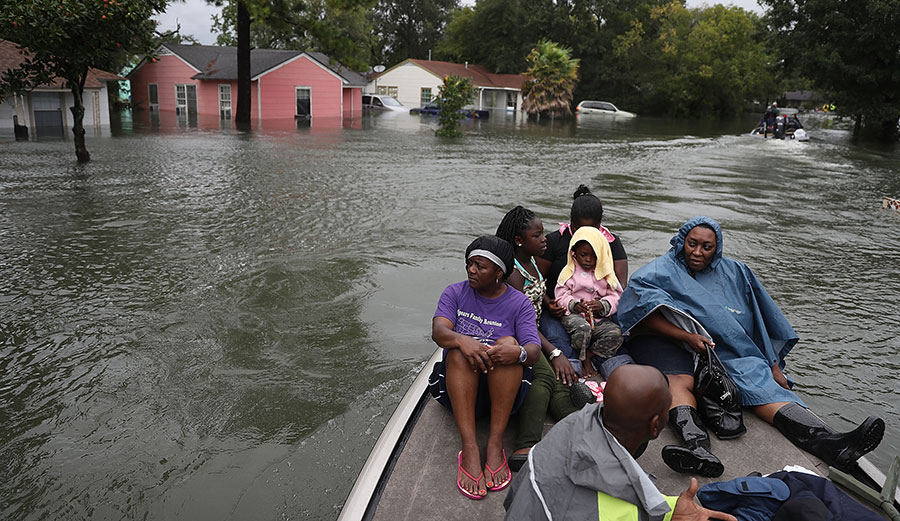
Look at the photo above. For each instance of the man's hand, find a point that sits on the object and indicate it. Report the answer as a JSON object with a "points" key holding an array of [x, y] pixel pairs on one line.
{"points": [[687, 510]]}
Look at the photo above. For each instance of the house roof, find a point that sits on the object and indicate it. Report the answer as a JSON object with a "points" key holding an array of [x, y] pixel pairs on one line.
{"points": [[11, 57], [220, 62], [481, 76]]}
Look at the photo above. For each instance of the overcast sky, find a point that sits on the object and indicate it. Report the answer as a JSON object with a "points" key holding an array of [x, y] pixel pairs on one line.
{"points": [[195, 15]]}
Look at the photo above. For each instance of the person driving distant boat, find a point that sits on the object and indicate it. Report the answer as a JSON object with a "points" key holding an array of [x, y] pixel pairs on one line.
{"points": [[692, 299], [489, 334], [768, 119]]}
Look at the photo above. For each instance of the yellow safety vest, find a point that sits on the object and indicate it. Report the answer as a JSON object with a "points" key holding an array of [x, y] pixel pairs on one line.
{"points": [[614, 509]]}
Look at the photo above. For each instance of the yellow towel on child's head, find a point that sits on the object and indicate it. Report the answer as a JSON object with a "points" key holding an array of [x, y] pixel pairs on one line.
{"points": [[604, 268]]}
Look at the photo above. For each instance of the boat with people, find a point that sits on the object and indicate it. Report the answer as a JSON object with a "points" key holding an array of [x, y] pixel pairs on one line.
{"points": [[489, 356], [781, 123]]}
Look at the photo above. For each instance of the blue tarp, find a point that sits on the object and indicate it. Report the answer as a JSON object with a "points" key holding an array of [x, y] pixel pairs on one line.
{"points": [[750, 332]]}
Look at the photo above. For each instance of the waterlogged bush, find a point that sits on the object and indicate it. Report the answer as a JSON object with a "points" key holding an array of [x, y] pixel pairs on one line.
{"points": [[454, 94]]}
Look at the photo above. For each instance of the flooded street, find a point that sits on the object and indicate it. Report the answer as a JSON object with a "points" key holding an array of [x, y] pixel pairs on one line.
{"points": [[209, 325]]}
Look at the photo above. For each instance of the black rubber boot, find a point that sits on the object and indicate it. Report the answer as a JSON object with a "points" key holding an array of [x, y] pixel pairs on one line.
{"points": [[694, 457], [810, 433]]}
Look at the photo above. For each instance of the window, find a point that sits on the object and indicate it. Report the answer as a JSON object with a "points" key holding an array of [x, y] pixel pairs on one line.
{"points": [[185, 99], [153, 97], [512, 100], [425, 97], [224, 101], [389, 90], [180, 99], [304, 104]]}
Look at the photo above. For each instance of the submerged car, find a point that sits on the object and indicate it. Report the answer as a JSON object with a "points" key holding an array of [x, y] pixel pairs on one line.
{"points": [[382, 102], [601, 108], [433, 109]]}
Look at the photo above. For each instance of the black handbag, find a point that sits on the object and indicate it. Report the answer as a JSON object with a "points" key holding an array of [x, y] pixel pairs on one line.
{"points": [[717, 397]]}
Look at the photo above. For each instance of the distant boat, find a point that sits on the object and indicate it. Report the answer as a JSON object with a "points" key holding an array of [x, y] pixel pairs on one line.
{"points": [[783, 128], [410, 473]]}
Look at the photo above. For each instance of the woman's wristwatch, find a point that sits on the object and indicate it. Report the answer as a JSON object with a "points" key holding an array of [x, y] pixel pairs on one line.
{"points": [[553, 354], [523, 355]]}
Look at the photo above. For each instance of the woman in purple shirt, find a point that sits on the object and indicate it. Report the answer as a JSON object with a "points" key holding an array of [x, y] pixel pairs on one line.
{"points": [[489, 335]]}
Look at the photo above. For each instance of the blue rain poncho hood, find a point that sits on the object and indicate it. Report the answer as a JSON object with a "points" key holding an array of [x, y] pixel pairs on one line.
{"points": [[677, 241], [724, 301]]}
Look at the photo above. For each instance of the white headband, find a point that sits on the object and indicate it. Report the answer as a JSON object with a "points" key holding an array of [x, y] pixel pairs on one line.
{"points": [[490, 256]]}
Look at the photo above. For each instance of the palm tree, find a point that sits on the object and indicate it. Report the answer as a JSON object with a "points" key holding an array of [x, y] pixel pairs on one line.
{"points": [[553, 74]]}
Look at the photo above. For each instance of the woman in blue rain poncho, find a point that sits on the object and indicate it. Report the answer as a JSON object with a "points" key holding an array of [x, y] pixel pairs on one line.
{"points": [[693, 298]]}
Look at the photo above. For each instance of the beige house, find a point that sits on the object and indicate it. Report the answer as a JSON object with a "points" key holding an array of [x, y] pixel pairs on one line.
{"points": [[415, 83], [46, 109]]}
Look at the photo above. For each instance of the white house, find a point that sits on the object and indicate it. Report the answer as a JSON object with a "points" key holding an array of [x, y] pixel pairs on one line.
{"points": [[415, 83], [45, 109]]}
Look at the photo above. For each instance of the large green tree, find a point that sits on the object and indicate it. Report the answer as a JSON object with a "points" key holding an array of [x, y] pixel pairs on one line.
{"points": [[65, 39], [553, 74], [409, 28], [654, 56], [500, 33], [689, 62], [340, 29], [849, 49]]}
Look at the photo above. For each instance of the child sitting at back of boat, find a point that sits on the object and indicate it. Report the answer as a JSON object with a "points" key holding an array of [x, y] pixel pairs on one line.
{"points": [[589, 291]]}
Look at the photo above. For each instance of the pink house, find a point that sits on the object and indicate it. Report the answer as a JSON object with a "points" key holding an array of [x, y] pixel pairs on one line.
{"points": [[201, 80]]}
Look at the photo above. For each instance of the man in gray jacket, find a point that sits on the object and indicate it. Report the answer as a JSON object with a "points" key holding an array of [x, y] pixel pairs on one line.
{"points": [[585, 465]]}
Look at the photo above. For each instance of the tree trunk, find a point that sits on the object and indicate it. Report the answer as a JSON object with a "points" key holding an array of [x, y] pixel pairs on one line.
{"points": [[242, 114], [890, 129], [81, 151]]}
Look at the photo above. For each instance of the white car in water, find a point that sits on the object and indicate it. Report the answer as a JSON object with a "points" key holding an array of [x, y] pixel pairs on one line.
{"points": [[601, 108], [382, 102]]}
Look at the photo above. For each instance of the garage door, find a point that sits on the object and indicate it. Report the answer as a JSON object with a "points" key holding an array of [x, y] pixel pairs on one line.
{"points": [[48, 116]]}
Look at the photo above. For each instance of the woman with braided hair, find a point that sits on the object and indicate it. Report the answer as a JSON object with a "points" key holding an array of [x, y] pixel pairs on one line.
{"points": [[553, 374]]}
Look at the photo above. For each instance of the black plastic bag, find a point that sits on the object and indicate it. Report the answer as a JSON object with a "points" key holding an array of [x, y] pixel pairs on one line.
{"points": [[717, 397]]}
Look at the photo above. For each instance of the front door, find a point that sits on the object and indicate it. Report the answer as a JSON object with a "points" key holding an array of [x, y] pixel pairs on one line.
{"points": [[304, 102]]}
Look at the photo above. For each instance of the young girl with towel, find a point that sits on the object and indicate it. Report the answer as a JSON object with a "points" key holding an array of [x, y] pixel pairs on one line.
{"points": [[589, 291]]}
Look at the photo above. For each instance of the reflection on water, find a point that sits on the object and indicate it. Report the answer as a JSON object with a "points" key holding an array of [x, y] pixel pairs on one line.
{"points": [[203, 323]]}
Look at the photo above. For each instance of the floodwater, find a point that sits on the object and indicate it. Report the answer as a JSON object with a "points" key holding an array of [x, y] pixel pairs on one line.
{"points": [[209, 324]]}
